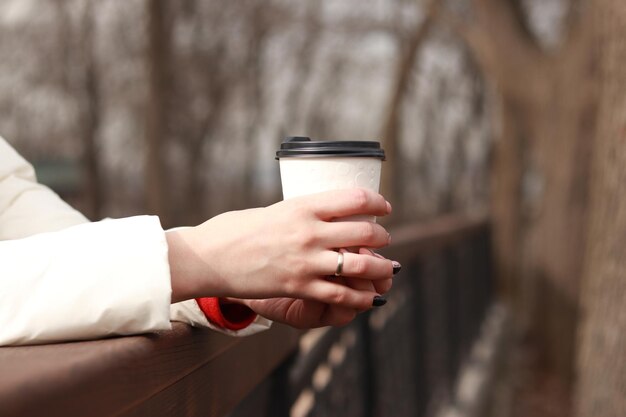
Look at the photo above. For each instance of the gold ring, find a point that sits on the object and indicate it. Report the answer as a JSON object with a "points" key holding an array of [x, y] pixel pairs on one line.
{"points": [[339, 264]]}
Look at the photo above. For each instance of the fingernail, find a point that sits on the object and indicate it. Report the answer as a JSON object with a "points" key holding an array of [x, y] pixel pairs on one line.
{"points": [[388, 207], [389, 239], [396, 267], [379, 301]]}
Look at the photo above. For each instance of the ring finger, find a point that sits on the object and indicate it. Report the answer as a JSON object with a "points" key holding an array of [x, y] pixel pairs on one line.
{"points": [[354, 265]]}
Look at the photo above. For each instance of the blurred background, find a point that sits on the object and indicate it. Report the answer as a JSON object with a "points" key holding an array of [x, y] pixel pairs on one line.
{"points": [[178, 108], [498, 108]]}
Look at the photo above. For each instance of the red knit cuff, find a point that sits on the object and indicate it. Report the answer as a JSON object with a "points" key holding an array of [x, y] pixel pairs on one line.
{"points": [[231, 316]]}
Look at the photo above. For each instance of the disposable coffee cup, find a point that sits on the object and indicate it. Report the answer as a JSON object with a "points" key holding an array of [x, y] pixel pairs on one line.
{"points": [[308, 166]]}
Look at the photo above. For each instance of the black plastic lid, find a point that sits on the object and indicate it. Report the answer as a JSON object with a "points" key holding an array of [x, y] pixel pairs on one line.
{"points": [[301, 146]]}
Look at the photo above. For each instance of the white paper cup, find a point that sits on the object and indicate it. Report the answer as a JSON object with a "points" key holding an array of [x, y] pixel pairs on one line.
{"points": [[308, 167]]}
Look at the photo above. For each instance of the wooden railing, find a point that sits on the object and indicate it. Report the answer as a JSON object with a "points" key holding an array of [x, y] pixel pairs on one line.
{"points": [[401, 359]]}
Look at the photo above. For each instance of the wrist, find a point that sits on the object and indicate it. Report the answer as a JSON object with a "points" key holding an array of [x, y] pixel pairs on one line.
{"points": [[185, 272]]}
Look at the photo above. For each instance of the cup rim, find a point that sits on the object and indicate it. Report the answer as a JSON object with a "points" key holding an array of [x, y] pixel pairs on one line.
{"points": [[303, 147]]}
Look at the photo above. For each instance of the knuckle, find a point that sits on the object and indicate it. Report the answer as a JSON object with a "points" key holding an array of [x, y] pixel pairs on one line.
{"points": [[306, 241], [368, 231], [290, 287], [338, 296], [360, 266], [360, 198], [298, 208], [307, 237], [301, 269]]}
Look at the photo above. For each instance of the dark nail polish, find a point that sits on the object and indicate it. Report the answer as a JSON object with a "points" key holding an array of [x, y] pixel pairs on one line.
{"points": [[396, 267], [379, 301]]}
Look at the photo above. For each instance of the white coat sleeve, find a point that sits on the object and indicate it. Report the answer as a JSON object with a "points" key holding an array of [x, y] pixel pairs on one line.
{"points": [[84, 282]]}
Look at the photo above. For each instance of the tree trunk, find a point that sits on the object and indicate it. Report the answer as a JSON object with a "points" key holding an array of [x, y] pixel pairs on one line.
{"points": [[91, 118], [155, 125], [259, 26], [506, 191], [602, 358], [539, 219]]}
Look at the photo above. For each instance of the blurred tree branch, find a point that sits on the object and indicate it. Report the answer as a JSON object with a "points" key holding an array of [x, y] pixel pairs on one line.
{"points": [[391, 179]]}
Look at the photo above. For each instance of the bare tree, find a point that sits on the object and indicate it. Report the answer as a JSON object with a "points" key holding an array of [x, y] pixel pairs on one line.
{"points": [[94, 191], [392, 184], [78, 77], [304, 60], [208, 79], [547, 107], [157, 63], [602, 360], [259, 21]]}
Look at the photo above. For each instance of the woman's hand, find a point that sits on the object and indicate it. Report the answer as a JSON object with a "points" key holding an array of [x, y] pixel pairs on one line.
{"points": [[286, 250], [306, 314]]}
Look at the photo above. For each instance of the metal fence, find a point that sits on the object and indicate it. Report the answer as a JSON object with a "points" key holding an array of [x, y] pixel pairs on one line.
{"points": [[401, 359]]}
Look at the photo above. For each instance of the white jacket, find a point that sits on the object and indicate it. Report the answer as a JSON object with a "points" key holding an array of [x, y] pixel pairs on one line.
{"points": [[63, 278]]}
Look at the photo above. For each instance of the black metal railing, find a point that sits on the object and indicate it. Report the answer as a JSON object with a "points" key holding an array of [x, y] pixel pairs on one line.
{"points": [[402, 359]]}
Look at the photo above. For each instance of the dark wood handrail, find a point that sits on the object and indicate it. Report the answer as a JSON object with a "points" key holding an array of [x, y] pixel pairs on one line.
{"points": [[166, 373], [184, 371], [421, 238]]}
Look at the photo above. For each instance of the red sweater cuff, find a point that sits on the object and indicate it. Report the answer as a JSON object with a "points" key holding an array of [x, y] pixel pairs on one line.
{"points": [[231, 316]]}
